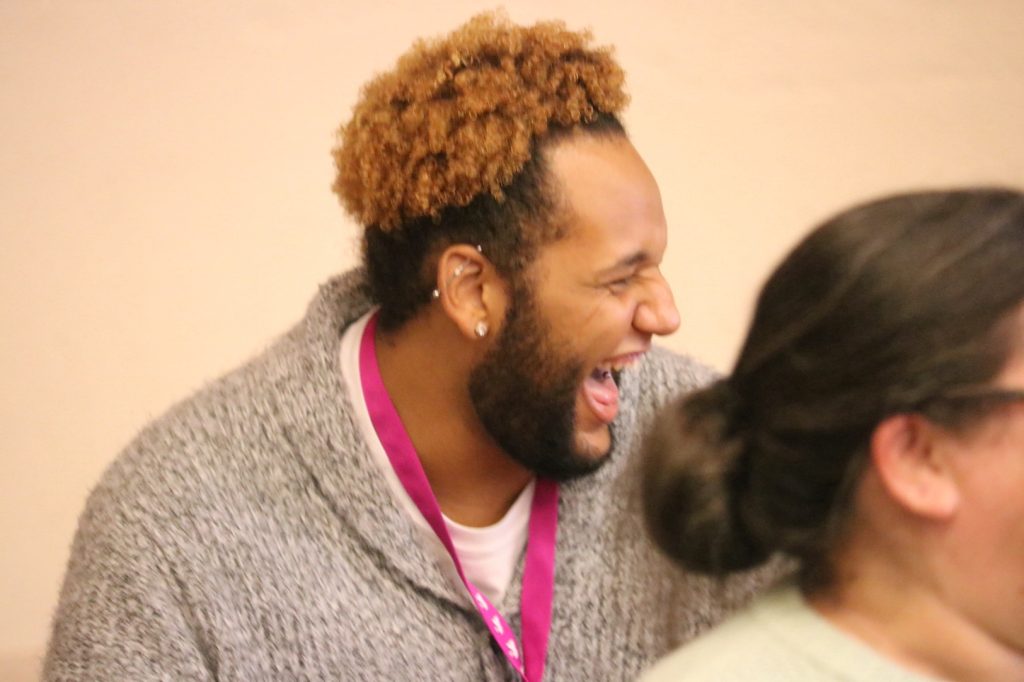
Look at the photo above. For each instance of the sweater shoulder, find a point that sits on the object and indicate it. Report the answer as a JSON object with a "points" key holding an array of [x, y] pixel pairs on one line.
{"points": [[186, 459], [677, 371], [663, 376], [233, 432]]}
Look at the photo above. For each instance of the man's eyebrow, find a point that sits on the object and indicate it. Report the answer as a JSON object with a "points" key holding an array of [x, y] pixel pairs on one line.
{"points": [[626, 262]]}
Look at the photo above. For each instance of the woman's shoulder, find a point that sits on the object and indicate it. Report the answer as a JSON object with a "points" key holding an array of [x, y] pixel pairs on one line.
{"points": [[778, 637], [743, 647]]}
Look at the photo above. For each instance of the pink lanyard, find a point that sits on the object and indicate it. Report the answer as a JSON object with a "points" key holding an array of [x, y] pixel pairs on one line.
{"points": [[539, 572]]}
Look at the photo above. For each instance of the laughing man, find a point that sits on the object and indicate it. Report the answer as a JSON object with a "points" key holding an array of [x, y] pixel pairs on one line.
{"points": [[432, 475]]}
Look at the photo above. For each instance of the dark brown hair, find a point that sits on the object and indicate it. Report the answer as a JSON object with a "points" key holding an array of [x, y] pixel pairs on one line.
{"points": [[883, 309]]}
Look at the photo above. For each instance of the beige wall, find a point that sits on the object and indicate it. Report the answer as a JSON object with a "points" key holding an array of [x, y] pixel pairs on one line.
{"points": [[165, 211]]}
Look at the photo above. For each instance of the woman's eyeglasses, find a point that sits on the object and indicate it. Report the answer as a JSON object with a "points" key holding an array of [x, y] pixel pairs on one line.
{"points": [[968, 401]]}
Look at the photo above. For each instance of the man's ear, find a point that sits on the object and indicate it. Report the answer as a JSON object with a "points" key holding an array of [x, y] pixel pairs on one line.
{"points": [[910, 457], [470, 290]]}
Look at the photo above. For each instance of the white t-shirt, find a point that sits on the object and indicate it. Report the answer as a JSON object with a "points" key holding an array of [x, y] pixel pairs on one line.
{"points": [[488, 555]]}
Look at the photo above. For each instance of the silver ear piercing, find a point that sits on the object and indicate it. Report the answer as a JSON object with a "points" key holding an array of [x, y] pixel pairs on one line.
{"points": [[481, 329], [459, 269]]}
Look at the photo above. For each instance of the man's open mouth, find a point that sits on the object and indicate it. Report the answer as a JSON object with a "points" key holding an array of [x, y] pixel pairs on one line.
{"points": [[601, 387]]}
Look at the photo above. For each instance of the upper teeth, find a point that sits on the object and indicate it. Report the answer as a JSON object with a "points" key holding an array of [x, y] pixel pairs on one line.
{"points": [[618, 365]]}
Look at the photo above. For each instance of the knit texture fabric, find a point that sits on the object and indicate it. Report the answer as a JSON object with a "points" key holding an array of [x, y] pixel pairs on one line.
{"points": [[248, 535]]}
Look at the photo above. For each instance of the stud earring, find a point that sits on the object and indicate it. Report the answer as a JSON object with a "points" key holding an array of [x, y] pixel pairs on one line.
{"points": [[480, 329], [435, 294]]}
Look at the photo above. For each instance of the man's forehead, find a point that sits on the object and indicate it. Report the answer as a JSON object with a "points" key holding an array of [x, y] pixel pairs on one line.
{"points": [[604, 153], [608, 199]]}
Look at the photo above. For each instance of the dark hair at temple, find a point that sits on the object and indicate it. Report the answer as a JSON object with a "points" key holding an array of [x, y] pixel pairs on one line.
{"points": [[883, 309], [400, 263]]}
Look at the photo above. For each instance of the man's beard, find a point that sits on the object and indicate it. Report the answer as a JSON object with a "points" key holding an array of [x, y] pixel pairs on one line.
{"points": [[524, 393]]}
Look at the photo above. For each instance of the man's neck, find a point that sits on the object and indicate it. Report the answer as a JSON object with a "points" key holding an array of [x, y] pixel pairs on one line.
{"points": [[473, 479]]}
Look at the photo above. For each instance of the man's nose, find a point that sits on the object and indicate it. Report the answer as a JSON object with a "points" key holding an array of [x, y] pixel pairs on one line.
{"points": [[657, 313]]}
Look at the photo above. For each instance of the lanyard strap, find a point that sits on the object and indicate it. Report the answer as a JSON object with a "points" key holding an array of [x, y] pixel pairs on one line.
{"points": [[539, 572]]}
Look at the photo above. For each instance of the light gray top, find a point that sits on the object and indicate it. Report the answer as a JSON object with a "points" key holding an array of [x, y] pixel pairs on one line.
{"points": [[248, 535], [778, 638]]}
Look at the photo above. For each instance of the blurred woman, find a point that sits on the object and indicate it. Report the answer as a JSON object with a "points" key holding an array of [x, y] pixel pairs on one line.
{"points": [[873, 431]]}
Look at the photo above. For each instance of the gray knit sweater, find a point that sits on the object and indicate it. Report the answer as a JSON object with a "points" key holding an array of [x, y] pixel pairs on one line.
{"points": [[248, 535]]}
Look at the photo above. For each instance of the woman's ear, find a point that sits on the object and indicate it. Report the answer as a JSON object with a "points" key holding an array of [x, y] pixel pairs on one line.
{"points": [[469, 290], [910, 456]]}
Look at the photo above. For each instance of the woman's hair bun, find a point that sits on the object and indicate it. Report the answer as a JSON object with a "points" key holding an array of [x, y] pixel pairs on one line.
{"points": [[694, 472]]}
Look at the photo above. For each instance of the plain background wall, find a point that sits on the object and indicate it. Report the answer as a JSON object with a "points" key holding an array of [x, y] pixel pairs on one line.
{"points": [[165, 208]]}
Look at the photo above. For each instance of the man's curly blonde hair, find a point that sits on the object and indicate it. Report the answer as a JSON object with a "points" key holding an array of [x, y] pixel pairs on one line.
{"points": [[445, 147], [458, 116]]}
